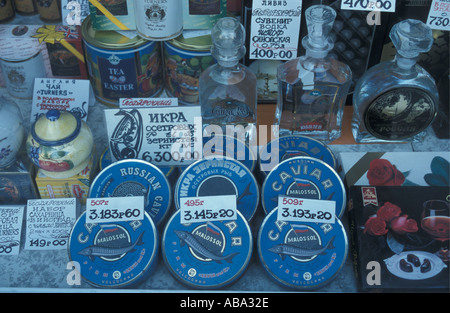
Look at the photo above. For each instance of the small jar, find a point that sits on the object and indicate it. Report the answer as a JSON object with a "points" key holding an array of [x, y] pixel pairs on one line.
{"points": [[26, 7], [49, 10], [7, 12], [60, 144], [12, 132]]}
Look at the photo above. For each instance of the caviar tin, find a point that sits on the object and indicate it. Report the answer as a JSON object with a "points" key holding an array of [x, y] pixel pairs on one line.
{"points": [[185, 58], [220, 176], [114, 255], [303, 177], [207, 255], [132, 177], [291, 146], [121, 66], [301, 255]]}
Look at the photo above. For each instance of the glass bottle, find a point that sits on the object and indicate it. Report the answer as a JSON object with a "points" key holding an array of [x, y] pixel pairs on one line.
{"points": [[312, 89], [397, 100], [227, 89]]}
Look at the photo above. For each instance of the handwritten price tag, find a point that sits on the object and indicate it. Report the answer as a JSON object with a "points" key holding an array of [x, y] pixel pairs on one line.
{"points": [[306, 210], [439, 15], [204, 209], [109, 210], [369, 5]]}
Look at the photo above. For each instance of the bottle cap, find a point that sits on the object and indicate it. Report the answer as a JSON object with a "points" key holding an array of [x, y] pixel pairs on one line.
{"points": [[411, 37], [319, 20], [228, 38]]}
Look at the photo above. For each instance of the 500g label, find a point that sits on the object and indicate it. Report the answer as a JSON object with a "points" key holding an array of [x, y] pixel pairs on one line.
{"points": [[306, 210], [109, 214], [114, 209]]}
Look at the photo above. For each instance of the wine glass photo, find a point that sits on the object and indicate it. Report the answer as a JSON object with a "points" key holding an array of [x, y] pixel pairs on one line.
{"points": [[436, 222]]}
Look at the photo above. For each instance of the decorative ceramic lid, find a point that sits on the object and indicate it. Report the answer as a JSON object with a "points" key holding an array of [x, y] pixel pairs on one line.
{"points": [[56, 128]]}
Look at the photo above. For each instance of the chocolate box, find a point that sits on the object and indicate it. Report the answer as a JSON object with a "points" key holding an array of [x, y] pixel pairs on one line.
{"points": [[61, 48], [391, 249]]}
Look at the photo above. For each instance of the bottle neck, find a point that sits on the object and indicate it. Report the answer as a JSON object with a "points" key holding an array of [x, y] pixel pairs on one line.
{"points": [[405, 63]]}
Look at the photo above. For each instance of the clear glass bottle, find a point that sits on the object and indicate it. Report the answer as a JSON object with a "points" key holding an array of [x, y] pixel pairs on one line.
{"points": [[397, 100], [312, 89], [227, 89]]}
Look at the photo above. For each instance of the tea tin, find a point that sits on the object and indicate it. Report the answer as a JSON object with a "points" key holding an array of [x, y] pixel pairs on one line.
{"points": [[220, 176], [114, 255], [207, 255], [301, 255], [121, 66], [185, 57], [303, 177], [135, 178]]}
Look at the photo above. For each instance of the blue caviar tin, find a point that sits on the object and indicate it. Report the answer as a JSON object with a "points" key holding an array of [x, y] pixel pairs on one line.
{"points": [[207, 255], [291, 146], [114, 255], [303, 177], [301, 255], [135, 178], [220, 176]]}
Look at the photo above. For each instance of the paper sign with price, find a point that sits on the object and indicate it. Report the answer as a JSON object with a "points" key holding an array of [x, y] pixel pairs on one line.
{"points": [[207, 209], [439, 16], [369, 5], [114, 209], [306, 210]]}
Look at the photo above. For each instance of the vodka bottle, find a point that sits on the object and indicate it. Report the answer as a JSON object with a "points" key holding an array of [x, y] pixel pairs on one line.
{"points": [[397, 100], [227, 89], [312, 89]]}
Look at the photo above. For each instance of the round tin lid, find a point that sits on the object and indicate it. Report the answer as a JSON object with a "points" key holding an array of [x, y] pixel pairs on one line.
{"points": [[192, 40], [56, 128], [219, 176], [295, 145], [114, 255], [206, 255], [301, 255], [135, 178], [303, 177]]}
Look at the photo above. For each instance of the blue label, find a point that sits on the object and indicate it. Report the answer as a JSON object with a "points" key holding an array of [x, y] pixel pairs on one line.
{"points": [[207, 255], [220, 177], [303, 177], [301, 255], [115, 254], [135, 178], [118, 77]]}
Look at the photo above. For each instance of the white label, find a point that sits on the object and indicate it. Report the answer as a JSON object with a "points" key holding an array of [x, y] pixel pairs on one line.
{"points": [[306, 210], [49, 222], [164, 136], [114, 209], [74, 11], [275, 28], [73, 95], [11, 218], [369, 5], [128, 103], [439, 16], [207, 209]]}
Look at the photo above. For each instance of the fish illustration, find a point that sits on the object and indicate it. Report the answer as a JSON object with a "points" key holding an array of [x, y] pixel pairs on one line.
{"points": [[186, 237], [126, 139], [109, 252], [245, 193], [295, 251]]}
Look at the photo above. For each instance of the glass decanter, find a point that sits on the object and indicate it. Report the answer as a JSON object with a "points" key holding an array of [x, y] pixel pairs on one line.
{"points": [[227, 89], [312, 89], [397, 100]]}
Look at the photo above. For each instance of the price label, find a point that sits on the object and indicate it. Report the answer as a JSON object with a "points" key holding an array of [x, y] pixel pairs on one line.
{"points": [[306, 210], [108, 210], [439, 15], [369, 5], [208, 209]]}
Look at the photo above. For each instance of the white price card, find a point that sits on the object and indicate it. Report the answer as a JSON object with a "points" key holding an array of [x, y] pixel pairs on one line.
{"points": [[306, 210], [275, 27], [114, 209], [439, 16], [369, 5], [11, 217], [208, 209]]}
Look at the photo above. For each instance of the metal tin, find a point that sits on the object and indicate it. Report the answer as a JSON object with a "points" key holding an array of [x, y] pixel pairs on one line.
{"points": [[7, 11], [207, 255], [26, 7], [158, 20], [135, 178], [115, 255], [216, 177], [230, 147], [295, 145], [303, 177], [49, 10], [185, 59], [121, 67], [301, 255]]}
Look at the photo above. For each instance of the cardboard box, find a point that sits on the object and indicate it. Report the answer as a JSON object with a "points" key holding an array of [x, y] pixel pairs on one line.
{"points": [[61, 48], [395, 168], [387, 233], [76, 186], [119, 16]]}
